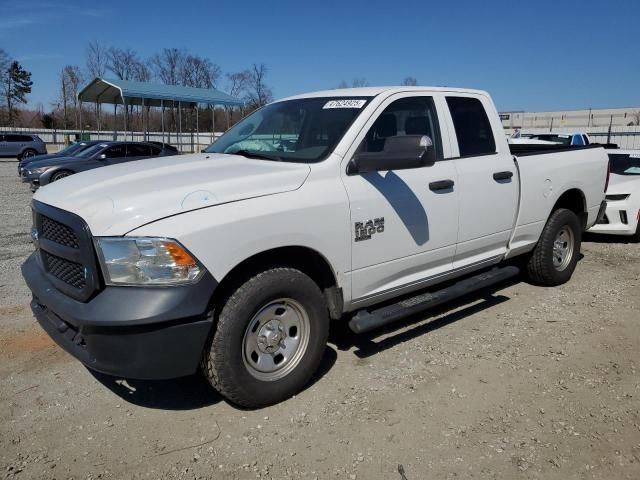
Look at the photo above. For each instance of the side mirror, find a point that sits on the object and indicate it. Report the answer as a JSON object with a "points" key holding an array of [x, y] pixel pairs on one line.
{"points": [[400, 153], [102, 156]]}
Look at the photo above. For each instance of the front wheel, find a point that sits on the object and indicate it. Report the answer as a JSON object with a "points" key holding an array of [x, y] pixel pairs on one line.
{"points": [[555, 257], [60, 175], [269, 339], [28, 153]]}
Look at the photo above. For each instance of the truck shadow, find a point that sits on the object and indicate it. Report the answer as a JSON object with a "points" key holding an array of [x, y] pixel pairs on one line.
{"points": [[366, 345], [605, 238], [186, 393]]}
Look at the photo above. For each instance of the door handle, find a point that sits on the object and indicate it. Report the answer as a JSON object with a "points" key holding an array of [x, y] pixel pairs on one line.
{"points": [[441, 185], [506, 175]]}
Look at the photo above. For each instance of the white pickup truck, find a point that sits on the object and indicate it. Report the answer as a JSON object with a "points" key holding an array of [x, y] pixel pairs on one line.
{"points": [[343, 204]]}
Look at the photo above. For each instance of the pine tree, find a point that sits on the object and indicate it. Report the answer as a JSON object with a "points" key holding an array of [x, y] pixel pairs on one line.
{"points": [[16, 85]]}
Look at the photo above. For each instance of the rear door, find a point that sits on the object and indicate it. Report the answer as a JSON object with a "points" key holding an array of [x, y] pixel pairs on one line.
{"points": [[486, 180], [404, 222], [137, 151], [13, 145]]}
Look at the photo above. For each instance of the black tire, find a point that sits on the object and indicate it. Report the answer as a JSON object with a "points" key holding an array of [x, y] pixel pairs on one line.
{"points": [[225, 363], [59, 175], [28, 153], [541, 268]]}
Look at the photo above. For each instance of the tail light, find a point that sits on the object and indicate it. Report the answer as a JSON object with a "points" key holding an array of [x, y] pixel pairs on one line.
{"points": [[606, 183]]}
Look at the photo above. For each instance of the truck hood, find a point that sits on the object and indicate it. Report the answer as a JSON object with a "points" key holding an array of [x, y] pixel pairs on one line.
{"points": [[116, 199]]}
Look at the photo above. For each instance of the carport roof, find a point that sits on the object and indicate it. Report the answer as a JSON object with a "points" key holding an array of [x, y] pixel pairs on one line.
{"points": [[102, 90]]}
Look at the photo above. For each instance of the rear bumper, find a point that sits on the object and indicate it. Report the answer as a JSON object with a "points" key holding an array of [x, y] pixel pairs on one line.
{"points": [[131, 332]]}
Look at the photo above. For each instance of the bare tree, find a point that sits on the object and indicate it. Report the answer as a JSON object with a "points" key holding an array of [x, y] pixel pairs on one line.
{"points": [[168, 65], [236, 87], [410, 81], [343, 84], [123, 63], [70, 80], [96, 59], [258, 93], [359, 82], [199, 72], [635, 116]]}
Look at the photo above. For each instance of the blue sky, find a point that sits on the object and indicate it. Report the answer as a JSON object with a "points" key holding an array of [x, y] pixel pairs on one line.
{"points": [[535, 55]]}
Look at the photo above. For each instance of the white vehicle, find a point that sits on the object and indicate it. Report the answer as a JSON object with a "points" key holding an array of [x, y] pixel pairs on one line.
{"points": [[622, 216], [314, 207], [550, 138]]}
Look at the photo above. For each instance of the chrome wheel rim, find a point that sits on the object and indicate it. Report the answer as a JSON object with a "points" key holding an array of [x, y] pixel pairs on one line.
{"points": [[60, 175], [563, 248], [28, 154], [276, 339]]}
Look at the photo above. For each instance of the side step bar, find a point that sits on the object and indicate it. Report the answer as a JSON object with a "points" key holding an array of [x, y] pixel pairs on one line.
{"points": [[365, 320]]}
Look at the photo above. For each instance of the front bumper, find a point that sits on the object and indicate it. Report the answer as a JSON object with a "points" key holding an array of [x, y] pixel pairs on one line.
{"points": [[621, 218], [131, 332]]}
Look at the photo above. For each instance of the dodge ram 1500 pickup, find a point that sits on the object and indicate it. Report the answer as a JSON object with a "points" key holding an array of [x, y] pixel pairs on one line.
{"points": [[349, 204]]}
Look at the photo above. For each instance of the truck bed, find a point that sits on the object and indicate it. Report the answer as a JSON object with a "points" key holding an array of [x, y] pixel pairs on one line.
{"points": [[523, 149]]}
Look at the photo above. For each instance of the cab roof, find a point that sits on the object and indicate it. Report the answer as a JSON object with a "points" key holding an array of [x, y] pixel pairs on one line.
{"points": [[374, 91]]}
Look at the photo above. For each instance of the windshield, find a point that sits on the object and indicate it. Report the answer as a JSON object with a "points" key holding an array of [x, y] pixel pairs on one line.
{"points": [[625, 164], [91, 151], [72, 149], [562, 139], [304, 130]]}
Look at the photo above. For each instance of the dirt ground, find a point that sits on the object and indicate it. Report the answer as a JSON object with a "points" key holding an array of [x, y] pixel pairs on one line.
{"points": [[524, 382]]}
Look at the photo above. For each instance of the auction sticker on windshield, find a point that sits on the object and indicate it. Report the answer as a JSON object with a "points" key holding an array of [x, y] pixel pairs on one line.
{"points": [[346, 103]]}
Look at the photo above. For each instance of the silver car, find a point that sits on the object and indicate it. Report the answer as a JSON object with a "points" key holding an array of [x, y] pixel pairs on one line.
{"points": [[21, 145]]}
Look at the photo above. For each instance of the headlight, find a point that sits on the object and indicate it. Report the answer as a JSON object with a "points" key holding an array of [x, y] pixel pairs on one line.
{"points": [[617, 197], [38, 171], [146, 261]]}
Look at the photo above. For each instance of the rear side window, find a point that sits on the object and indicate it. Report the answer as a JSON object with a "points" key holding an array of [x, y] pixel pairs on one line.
{"points": [[473, 129], [135, 150], [12, 138]]}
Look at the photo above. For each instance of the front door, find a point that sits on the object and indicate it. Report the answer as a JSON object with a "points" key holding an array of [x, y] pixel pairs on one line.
{"points": [[404, 222]]}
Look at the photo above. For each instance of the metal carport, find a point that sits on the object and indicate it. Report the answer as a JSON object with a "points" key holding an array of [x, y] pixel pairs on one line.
{"points": [[148, 94]]}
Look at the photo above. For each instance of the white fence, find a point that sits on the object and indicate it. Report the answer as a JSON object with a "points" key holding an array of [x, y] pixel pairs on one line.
{"points": [[185, 142]]}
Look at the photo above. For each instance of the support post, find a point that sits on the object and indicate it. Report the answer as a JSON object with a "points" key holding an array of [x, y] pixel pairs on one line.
{"points": [[213, 112], [80, 119], [162, 118], [124, 104], [144, 128], [197, 128], [180, 126], [115, 121]]}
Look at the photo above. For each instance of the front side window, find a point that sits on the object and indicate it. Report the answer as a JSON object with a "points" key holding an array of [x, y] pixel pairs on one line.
{"points": [[304, 130], [475, 136], [406, 116], [117, 151]]}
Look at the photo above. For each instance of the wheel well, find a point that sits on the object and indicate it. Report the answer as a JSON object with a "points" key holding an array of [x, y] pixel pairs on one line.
{"points": [[304, 259], [573, 200]]}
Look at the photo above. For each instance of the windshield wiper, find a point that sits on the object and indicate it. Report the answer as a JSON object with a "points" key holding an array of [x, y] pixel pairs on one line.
{"points": [[262, 156]]}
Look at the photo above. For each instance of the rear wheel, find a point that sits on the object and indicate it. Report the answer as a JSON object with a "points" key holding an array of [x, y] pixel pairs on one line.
{"points": [[555, 257], [269, 340], [28, 153], [60, 175]]}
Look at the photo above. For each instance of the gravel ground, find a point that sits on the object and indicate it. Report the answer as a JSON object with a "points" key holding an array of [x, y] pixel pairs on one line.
{"points": [[525, 382]]}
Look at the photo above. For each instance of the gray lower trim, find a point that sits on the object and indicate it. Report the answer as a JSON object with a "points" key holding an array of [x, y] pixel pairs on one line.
{"points": [[422, 283]]}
